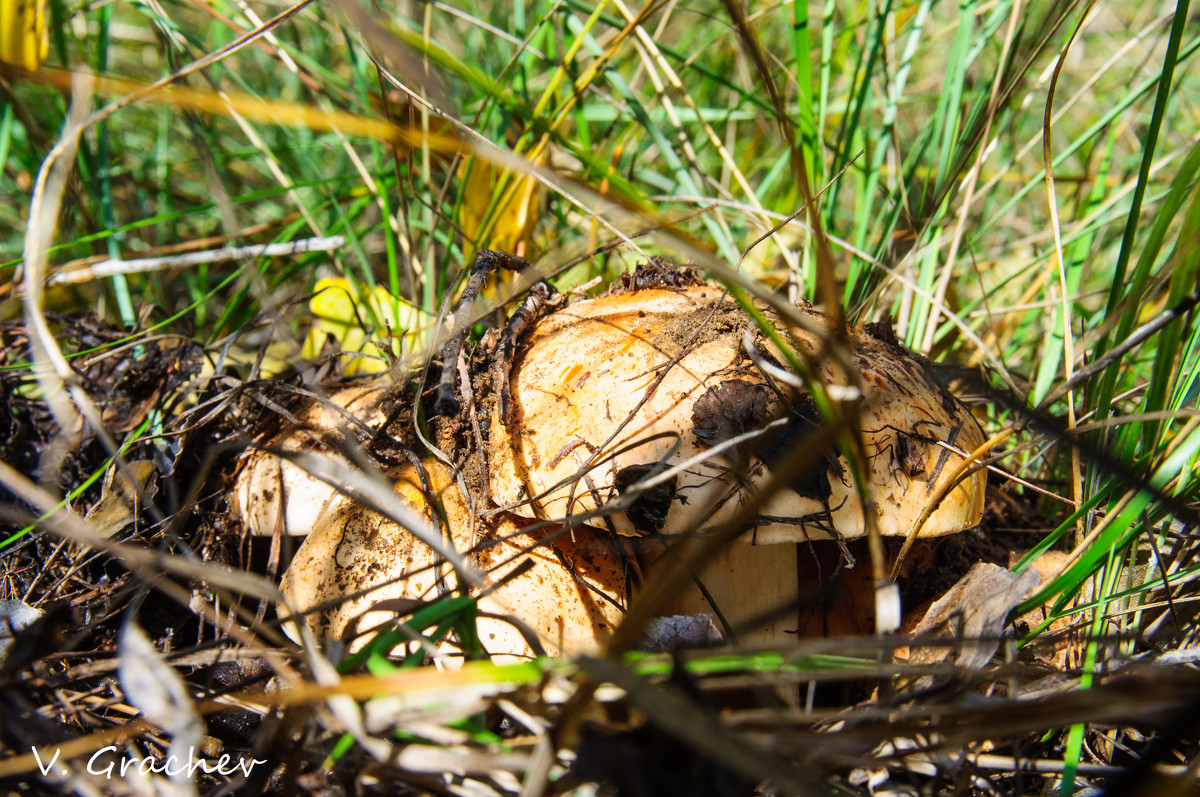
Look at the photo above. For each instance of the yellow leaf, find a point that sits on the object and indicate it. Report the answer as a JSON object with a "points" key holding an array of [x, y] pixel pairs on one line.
{"points": [[23, 37], [499, 209], [356, 317]]}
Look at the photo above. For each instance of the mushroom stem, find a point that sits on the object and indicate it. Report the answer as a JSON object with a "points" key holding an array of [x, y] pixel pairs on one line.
{"points": [[751, 589], [769, 593]]}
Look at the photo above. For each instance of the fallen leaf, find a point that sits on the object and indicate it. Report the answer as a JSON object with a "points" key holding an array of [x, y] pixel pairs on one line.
{"points": [[974, 612], [23, 33], [355, 317], [118, 506]]}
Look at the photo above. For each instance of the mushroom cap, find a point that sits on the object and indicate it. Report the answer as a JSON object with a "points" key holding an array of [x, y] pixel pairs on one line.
{"points": [[270, 490], [570, 596], [618, 385]]}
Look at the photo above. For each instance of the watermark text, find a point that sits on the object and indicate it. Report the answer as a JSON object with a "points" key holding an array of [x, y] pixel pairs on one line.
{"points": [[108, 763]]}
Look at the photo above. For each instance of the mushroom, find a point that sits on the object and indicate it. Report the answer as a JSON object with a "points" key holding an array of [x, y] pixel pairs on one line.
{"points": [[672, 385], [666, 398], [566, 591], [271, 493]]}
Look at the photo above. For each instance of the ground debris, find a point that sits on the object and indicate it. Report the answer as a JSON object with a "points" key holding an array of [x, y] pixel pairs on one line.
{"points": [[973, 612]]}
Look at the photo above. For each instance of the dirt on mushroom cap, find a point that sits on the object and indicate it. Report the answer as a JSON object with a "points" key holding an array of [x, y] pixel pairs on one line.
{"points": [[608, 391]]}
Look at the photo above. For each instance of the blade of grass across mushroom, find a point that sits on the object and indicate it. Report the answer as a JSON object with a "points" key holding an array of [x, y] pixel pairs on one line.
{"points": [[971, 464], [373, 491], [838, 404], [887, 597]]}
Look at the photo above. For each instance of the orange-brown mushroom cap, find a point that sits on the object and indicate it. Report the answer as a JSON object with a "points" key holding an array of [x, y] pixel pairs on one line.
{"points": [[610, 391]]}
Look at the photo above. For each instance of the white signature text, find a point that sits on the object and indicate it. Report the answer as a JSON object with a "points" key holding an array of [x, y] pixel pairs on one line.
{"points": [[103, 764]]}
